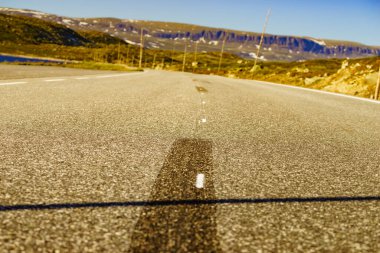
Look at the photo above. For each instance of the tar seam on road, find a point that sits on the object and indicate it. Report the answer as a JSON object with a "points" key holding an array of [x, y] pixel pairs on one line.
{"points": [[180, 228], [236, 201]]}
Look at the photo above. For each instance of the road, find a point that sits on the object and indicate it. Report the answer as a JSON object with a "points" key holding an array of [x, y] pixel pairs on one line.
{"points": [[176, 162]]}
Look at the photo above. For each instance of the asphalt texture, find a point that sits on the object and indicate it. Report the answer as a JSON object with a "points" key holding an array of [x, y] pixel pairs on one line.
{"points": [[110, 162]]}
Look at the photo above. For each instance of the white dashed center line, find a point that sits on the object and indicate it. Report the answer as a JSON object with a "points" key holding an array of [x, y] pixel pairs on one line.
{"points": [[199, 183], [82, 78], [118, 75], [108, 76], [12, 83], [55, 80]]}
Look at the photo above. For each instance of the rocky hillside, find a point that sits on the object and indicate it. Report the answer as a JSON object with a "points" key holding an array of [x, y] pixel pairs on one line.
{"points": [[169, 36], [353, 77], [23, 30], [30, 30]]}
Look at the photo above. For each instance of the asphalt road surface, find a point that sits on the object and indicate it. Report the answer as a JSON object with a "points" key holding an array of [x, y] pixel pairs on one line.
{"points": [[176, 162]]}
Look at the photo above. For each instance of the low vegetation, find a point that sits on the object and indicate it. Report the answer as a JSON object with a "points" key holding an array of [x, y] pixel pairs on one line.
{"points": [[349, 76]]}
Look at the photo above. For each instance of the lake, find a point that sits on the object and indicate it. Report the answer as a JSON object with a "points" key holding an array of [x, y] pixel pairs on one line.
{"points": [[8, 58]]}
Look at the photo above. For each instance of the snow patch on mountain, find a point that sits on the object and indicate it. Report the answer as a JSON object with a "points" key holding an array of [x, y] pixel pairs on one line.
{"points": [[320, 42], [253, 55], [130, 42], [154, 45], [67, 21], [202, 39], [23, 11], [130, 20]]}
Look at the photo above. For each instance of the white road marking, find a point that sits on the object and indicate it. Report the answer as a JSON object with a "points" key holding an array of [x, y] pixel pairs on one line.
{"points": [[319, 91], [82, 78], [245, 81], [104, 76], [199, 183], [116, 75], [55, 80], [12, 83]]}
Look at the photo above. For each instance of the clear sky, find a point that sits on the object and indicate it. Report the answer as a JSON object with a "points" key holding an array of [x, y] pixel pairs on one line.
{"points": [[353, 20]]}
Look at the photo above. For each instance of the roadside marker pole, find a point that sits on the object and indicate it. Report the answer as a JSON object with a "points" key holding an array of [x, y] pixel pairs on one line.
{"points": [[154, 61], [261, 39], [184, 56], [118, 54], [196, 51], [195, 64], [222, 51], [127, 61], [377, 85], [141, 48], [172, 54], [185, 51]]}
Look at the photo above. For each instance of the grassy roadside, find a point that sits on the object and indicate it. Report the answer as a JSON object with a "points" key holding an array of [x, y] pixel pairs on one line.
{"points": [[348, 76], [353, 76]]}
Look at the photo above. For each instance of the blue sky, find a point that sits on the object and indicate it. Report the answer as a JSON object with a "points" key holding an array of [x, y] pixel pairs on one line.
{"points": [[353, 20]]}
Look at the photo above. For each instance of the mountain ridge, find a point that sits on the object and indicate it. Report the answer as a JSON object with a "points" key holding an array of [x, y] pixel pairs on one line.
{"points": [[174, 36]]}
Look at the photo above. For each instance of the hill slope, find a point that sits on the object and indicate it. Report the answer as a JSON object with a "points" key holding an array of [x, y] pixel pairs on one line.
{"points": [[30, 30], [23, 30]]}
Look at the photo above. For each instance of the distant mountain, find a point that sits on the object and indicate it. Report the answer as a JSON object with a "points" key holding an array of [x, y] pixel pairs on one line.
{"points": [[169, 36]]}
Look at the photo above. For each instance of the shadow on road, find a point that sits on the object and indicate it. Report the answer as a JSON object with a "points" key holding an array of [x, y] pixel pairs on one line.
{"points": [[4, 208]]}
